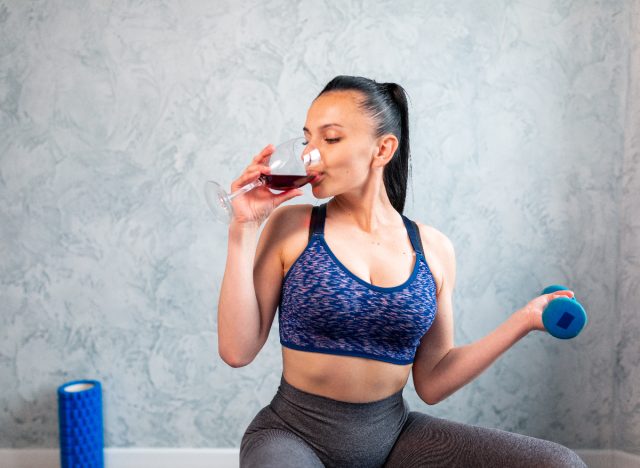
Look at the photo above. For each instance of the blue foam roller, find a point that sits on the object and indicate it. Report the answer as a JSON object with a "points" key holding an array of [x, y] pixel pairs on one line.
{"points": [[80, 424]]}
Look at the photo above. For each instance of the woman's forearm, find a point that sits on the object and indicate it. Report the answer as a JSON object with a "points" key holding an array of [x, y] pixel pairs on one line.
{"points": [[464, 363], [238, 311]]}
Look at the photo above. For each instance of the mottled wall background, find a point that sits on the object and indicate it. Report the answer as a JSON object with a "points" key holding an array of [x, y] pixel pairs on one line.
{"points": [[627, 371], [113, 114]]}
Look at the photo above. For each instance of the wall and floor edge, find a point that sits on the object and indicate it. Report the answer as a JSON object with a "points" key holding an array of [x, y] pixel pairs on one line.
{"points": [[228, 458]]}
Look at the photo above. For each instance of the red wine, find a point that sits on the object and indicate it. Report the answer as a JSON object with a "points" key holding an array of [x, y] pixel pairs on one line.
{"points": [[286, 182]]}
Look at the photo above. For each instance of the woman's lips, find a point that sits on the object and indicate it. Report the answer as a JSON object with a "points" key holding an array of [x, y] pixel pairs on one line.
{"points": [[317, 178]]}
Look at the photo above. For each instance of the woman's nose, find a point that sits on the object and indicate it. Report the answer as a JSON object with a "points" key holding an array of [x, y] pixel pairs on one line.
{"points": [[311, 155]]}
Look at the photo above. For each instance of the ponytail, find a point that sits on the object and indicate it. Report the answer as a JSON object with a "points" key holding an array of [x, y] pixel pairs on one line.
{"points": [[396, 171]]}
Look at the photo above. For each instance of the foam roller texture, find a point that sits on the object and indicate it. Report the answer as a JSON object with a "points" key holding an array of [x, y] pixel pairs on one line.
{"points": [[80, 424]]}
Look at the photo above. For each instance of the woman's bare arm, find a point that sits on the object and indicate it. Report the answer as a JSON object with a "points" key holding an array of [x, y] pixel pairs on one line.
{"points": [[252, 283], [440, 368]]}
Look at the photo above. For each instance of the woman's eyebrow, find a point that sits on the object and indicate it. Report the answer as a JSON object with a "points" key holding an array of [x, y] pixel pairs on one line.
{"points": [[305, 129]]}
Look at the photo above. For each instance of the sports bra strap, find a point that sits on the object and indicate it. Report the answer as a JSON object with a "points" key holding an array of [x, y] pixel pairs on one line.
{"points": [[318, 214], [414, 235]]}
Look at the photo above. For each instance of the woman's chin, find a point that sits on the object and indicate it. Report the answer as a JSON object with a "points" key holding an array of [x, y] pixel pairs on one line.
{"points": [[318, 192], [315, 185]]}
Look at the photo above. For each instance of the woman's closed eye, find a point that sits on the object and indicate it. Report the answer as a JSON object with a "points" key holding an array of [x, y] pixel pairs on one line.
{"points": [[328, 140]]}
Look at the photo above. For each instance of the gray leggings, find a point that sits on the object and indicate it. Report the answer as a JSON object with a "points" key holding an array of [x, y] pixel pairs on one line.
{"points": [[300, 429]]}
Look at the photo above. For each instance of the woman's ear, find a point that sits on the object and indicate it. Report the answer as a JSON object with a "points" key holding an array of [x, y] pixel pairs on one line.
{"points": [[386, 148]]}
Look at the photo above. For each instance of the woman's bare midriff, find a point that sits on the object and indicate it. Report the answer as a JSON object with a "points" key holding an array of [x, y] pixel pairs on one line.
{"points": [[349, 378], [343, 378]]}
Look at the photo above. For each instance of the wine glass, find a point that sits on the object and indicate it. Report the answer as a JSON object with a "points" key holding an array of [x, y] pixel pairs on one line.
{"points": [[288, 165]]}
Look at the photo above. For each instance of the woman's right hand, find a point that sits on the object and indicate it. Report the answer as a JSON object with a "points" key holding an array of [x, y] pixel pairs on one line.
{"points": [[534, 309], [254, 206]]}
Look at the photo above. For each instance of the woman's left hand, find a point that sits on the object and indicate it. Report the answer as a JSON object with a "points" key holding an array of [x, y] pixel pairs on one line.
{"points": [[533, 310]]}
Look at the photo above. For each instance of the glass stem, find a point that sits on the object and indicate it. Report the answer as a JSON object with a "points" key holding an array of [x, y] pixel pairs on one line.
{"points": [[257, 183]]}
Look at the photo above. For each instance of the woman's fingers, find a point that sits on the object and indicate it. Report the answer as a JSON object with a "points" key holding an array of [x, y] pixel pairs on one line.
{"points": [[246, 177], [564, 292], [254, 170], [288, 195], [258, 167], [264, 154], [251, 175]]}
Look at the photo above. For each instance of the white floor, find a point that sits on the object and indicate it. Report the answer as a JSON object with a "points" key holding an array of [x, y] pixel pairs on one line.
{"points": [[226, 458]]}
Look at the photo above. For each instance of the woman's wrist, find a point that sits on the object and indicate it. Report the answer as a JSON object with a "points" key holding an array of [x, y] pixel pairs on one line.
{"points": [[243, 234], [242, 227], [524, 321]]}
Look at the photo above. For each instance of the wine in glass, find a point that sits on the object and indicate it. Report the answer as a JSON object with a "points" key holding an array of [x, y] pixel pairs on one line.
{"points": [[288, 163]]}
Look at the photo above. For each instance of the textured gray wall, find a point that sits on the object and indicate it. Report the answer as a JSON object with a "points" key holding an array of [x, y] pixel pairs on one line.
{"points": [[627, 376], [113, 114]]}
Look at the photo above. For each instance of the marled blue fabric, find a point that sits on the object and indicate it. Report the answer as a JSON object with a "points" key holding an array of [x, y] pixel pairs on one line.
{"points": [[325, 308]]}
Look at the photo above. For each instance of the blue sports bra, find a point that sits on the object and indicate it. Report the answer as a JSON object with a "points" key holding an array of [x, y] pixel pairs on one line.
{"points": [[324, 308]]}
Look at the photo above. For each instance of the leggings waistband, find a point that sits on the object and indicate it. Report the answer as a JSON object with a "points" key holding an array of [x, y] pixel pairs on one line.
{"points": [[318, 402]]}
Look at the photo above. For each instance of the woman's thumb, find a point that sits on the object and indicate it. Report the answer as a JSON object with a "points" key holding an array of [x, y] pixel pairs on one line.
{"points": [[288, 195]]}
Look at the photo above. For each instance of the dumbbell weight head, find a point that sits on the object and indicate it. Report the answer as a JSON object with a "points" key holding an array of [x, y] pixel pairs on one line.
{"points": [[563, 317]]}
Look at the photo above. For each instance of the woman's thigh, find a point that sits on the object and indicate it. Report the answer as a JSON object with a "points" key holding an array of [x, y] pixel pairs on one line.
{"points": [[426, 441]]}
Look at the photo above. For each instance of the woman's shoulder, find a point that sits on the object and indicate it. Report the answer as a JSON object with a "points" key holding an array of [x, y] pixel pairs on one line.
{"points": [[439, 251], [434, 237], [292, 231], [290, 220], [293, 213]]}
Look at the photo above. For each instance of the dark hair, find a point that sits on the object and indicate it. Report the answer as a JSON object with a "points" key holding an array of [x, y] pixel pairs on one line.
{"points": [[387, 104]]}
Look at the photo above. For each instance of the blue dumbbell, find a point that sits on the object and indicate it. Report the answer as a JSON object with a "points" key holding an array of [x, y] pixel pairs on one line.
{"points": [[564, 317]]}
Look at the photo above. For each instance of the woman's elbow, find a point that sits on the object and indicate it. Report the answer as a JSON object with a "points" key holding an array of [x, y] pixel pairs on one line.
{"points": [[232, 361], [431, 398], [431, 401], [234, 364]]}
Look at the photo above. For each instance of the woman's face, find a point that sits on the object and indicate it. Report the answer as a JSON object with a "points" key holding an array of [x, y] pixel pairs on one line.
{"points": [[344, 135]]}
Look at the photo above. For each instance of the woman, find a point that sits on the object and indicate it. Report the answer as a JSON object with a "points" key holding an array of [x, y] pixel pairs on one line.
{"points": [[352, 325]]}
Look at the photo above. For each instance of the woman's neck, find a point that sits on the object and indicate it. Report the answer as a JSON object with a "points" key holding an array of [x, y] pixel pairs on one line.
{"points": [[370, 214]]}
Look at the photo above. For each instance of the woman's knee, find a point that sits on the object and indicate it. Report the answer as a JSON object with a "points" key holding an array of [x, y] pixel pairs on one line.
{"points": [[555, 455], [271, 448]]}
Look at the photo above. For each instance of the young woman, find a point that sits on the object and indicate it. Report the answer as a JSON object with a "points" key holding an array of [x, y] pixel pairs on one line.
{"points": [[364, 297]]}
